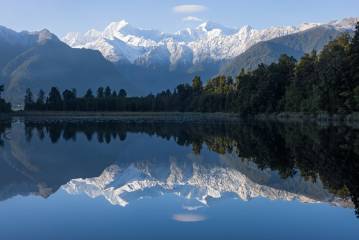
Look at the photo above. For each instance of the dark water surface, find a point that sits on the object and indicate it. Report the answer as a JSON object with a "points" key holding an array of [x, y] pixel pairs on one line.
{"points": [[92, 179]]}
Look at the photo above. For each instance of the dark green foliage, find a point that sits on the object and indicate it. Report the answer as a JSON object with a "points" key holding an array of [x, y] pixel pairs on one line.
{"points": [[301, 93], [69, 100], [354, 69], [54, 101], [325, 83]]}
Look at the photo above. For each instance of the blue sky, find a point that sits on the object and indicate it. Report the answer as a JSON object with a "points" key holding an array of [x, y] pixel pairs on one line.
{"points": [[62, 16]]}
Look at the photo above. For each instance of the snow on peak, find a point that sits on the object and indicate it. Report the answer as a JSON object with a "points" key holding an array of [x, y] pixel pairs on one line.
{"points": [[306, 26], [118, 25], [209, 41], [210, 26], [346, 23], [114, 28]]}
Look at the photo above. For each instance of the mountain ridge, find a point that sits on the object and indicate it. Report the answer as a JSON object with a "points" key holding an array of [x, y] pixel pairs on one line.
{"points": [[39, 60], [295, 45], [208, 41]]}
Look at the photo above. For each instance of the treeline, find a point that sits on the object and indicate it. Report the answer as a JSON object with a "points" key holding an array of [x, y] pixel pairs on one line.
{"points": [[4, 106], [104, 99], [325, 82]]}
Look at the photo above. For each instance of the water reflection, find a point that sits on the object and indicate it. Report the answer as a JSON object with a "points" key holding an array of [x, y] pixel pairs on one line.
{"points": [[200, 163], [188, 217]]}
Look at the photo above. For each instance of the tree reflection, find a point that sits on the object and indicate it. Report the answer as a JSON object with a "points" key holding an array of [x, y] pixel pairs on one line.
{"points": [[329, 153], [4, 125]]}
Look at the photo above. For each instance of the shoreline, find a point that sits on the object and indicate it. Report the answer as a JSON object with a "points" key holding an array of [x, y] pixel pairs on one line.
{"points": [[176, 117], [321, 119]]}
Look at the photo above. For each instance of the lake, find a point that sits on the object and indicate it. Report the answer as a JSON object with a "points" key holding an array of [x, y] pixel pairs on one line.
{"points": [[112, 179]]}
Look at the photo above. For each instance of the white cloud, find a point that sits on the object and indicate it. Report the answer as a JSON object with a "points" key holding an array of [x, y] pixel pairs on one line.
{"points": [[191, 19], [190, 8]]}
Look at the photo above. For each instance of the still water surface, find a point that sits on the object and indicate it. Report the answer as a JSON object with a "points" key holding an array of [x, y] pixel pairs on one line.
{"points": [[125, 180]]}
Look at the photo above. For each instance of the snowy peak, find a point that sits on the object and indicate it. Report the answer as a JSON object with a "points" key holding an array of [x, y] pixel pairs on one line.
{"points": [[117, 26], [306, 26], [346, 23], [212, 26], [208, 42], [123, 28]]}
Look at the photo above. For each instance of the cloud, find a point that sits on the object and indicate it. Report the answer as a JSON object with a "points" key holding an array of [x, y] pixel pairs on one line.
{"points": [[190, 8], [191, 19]]}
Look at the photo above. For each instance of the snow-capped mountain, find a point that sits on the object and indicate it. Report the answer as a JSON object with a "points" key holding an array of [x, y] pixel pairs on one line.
{"points": [[209, 42], [198, 184]]}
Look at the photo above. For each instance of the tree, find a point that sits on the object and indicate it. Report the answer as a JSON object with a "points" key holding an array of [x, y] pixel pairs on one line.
{"points": [[354, 66], [54, 100], [100, 92], [74, 92], [88, 101], [334, 80], [1, 89], [122, 93], [107, 92], [89, 94], [197, 84], [29, 102], [69, 99], [301, 95], [40, 102]]}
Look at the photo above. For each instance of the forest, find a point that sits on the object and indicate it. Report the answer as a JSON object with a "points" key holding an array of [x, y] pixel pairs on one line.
{"points": [[318, 82]]}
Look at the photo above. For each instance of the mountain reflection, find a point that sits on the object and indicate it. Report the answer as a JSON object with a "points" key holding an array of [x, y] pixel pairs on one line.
{"points": [[125, 161]]}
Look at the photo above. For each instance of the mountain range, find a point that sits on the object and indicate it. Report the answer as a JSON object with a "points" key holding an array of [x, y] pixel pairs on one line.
{"points": [[191, 48], [145, 60]]}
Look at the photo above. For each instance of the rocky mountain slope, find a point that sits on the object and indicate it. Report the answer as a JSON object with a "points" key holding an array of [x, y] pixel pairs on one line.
{"points": [[39, 60], [295, 45]]}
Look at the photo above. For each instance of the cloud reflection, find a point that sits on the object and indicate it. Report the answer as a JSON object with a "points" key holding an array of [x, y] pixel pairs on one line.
{"points": [[189, 217]]}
